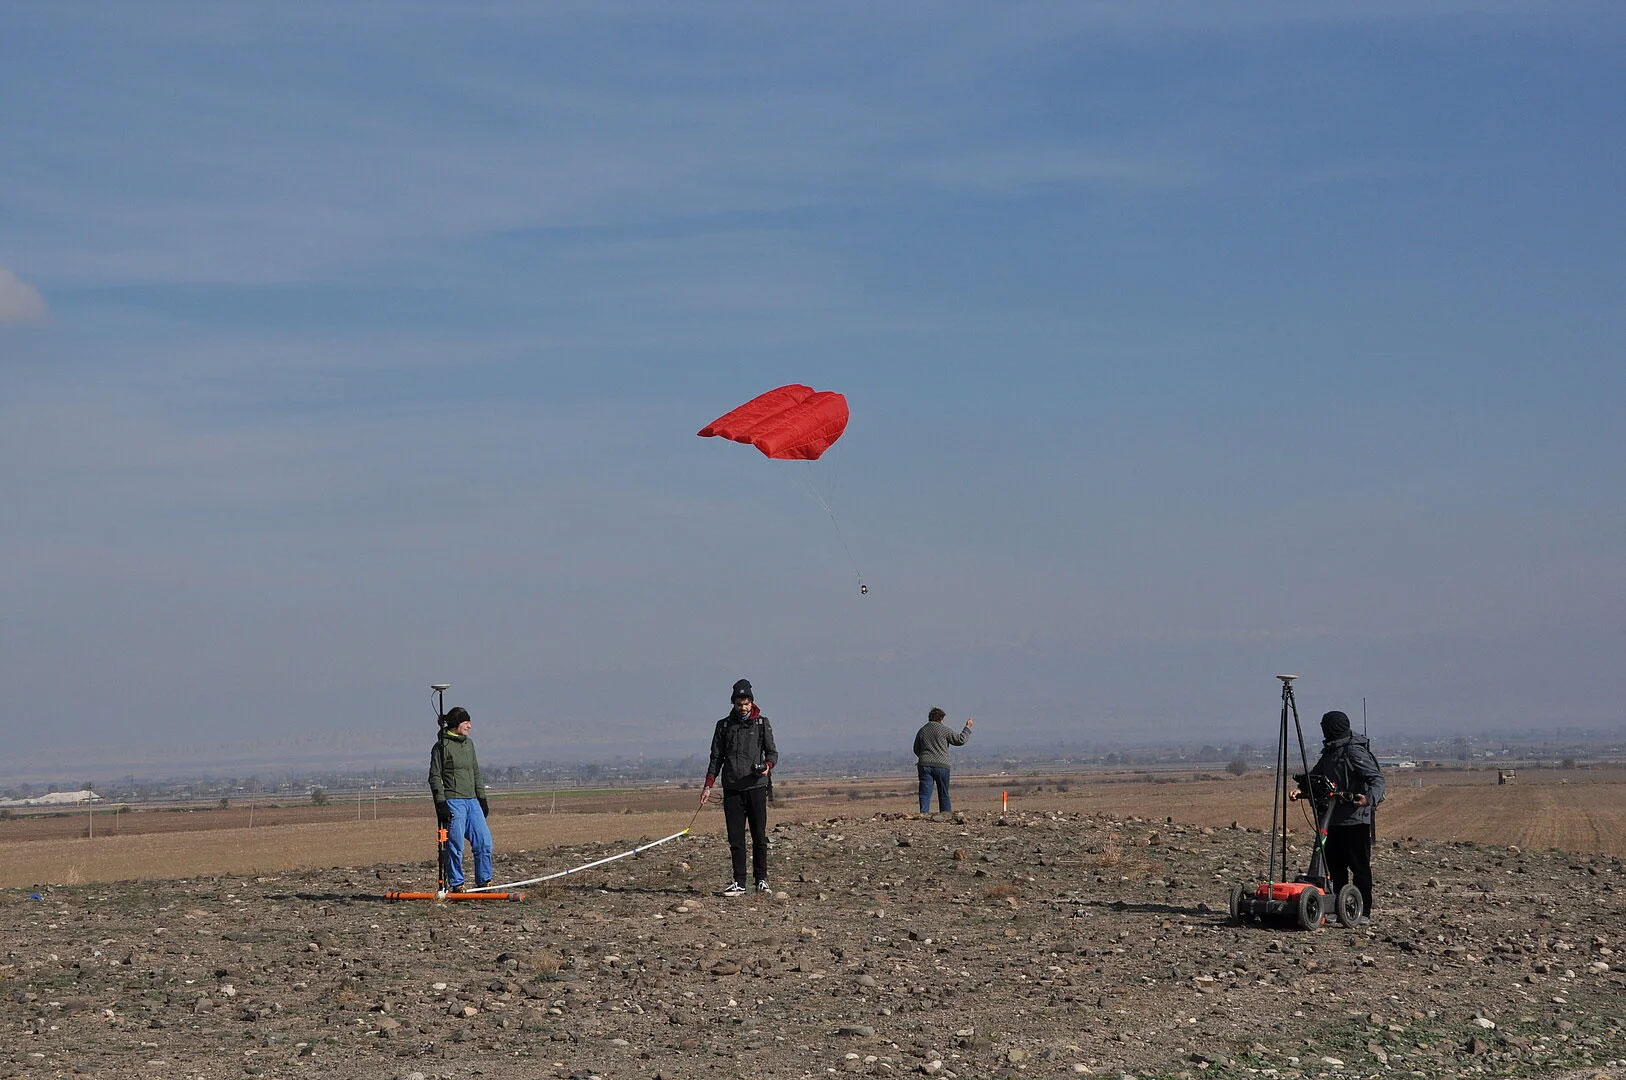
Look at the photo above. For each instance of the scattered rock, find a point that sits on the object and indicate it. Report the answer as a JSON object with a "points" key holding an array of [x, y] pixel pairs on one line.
{"points": [[888, 959]]}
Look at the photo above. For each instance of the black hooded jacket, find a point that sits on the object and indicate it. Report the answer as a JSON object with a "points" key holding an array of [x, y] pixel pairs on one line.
{"points": [[742, 751], [1348, 762]]}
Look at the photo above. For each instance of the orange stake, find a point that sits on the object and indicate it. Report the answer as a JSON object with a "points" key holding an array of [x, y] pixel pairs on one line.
{"points": [[1004, 800]]}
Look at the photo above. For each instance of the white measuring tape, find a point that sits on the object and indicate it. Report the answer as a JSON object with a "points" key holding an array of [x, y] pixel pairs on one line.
{"points": [[579, 869]]}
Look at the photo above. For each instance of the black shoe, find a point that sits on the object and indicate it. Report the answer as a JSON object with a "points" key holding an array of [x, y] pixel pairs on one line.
{"points": [[482, 884]]}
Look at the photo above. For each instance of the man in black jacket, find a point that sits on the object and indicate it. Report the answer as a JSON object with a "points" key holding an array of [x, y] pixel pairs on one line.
{"points": [[743, 756], [1346, 759]]}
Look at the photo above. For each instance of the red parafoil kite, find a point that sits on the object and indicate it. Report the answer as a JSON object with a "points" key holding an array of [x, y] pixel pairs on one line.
{"points": [[794, 422]]}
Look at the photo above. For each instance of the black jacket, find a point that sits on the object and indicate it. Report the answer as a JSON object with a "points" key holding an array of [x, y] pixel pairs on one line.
{"points": [[740, 748], [1348, 762]]}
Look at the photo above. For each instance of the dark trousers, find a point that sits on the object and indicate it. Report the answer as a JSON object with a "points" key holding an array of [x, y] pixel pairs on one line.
{"points": [[1349, 854], [739, 807]]}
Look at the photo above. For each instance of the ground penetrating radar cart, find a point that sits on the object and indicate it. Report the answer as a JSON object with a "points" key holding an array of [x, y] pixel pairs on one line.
{"points": [[1306, 901]]}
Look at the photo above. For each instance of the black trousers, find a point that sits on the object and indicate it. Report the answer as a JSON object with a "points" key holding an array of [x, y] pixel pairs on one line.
{"points": [[740, 807], [1349, 855]]}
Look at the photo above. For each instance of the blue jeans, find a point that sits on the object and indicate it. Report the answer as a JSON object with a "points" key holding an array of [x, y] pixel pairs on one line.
{"points": [[468, 823], [929, 775]]}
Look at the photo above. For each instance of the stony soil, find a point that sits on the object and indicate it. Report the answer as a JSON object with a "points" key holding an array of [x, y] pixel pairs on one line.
{"points": [[1034, 944]]}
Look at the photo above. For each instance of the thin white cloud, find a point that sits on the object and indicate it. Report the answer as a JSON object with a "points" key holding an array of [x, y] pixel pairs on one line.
{"points": [[20, 302], [1020, 168], [330, 181]]}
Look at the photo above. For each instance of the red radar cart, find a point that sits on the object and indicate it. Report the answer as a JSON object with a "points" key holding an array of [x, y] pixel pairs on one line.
{"points": [[1306, 901]]}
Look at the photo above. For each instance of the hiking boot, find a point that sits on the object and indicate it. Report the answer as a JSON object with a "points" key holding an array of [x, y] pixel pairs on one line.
{"points": [[482, 884], [762, 886], [734, 889], [459, 887]]}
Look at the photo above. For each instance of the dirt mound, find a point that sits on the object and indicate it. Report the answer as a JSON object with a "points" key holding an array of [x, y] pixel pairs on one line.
{"points": [[1028, 944]]}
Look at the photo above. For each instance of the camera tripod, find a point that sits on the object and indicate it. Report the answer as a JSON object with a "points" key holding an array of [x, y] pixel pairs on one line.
{"points": [[1306, 897]]}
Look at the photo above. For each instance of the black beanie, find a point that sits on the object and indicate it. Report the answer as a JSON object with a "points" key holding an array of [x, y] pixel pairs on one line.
{"points": [[742, 689], [1335, 725], [454, 716]]}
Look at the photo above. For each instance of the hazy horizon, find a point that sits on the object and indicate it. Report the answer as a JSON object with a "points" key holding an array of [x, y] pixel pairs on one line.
{"points": [[214, 762], [1184, 346]]}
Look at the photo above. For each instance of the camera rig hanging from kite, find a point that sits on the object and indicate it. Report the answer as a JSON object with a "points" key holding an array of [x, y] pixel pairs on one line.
{"points": [[1308, 900]]}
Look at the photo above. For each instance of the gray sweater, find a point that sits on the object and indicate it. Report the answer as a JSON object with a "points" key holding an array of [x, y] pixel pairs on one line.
{"points": [[933, 740]]}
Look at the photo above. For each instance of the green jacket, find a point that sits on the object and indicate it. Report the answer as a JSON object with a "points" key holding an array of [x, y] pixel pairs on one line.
{"points": [[454, 771]]}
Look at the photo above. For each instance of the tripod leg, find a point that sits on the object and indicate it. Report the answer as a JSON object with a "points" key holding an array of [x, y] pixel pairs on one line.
{"points": [[1304, 756], [1279, 790]]}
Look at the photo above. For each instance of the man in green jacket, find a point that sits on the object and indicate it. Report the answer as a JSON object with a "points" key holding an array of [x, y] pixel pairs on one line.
{"points": [[460, 798]]}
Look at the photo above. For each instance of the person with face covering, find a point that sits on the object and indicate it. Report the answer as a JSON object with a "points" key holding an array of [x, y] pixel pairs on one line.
{"points": [[743, 756], [1346, 760], [460, 798]]}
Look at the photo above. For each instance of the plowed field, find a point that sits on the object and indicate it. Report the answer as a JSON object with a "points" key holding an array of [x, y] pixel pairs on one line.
{"points": [[1038, 942], [1582, 811]]}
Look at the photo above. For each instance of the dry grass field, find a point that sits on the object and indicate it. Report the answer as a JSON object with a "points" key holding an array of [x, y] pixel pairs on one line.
{"points": [[131, 820], [1582, 811]]}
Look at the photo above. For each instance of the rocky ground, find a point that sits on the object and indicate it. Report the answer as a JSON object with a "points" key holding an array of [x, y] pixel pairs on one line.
{"points": [[1031, 945]]}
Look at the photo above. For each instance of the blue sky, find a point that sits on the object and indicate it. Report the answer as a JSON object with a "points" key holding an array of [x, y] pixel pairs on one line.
{"points": [[348, 347]]}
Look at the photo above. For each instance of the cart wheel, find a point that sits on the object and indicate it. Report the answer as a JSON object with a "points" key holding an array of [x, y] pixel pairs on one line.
{"points": [[1349, 905], [1312, 905], [1237, 893]]}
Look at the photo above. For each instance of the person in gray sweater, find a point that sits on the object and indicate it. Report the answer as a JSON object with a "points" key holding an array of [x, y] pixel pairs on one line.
{"points": [[932, 744]]}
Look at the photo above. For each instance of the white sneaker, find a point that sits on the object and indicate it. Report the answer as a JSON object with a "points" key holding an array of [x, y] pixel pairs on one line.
{"points": [[734, 889], [762, 886]]}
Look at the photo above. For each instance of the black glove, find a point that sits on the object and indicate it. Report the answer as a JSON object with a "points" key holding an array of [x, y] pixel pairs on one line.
{"points": [[485, 807], [443, 814]]}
